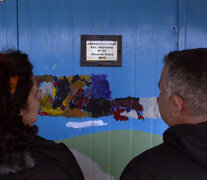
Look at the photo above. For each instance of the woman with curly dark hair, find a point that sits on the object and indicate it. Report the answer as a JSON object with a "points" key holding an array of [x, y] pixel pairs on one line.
{"points": [[23, 154]]}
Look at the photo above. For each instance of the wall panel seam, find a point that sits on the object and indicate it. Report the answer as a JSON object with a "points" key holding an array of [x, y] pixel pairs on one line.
{"points": [[17, 23]]}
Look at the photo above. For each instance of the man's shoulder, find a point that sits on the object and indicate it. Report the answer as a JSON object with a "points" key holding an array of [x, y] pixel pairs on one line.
{"points": [[151, 155], [156, 152], [149, 161]]}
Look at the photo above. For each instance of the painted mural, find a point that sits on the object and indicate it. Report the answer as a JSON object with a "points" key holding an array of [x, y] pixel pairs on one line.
{"points": [[82, 96]]}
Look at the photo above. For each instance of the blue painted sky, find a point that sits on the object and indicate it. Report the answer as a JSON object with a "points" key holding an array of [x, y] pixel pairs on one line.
{"points": [[55, 127]]}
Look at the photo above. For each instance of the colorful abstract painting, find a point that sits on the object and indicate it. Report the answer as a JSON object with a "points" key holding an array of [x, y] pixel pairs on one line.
{"points": [[84, 96]]}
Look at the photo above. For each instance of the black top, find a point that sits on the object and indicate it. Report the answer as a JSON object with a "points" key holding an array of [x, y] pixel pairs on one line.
{"points": [[182, 156], [35, 158]]}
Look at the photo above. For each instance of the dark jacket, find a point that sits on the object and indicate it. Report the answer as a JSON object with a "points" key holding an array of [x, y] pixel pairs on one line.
{"points": [[35, 158], [182, 156]]}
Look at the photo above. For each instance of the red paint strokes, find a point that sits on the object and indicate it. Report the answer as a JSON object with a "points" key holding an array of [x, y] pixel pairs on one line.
{"points": [[62, 108], [55, 84], [43, 113], [79, 103], [85, 100], [141, 117], [125, 105], [78, 99], [118, 116], [80, 92]]}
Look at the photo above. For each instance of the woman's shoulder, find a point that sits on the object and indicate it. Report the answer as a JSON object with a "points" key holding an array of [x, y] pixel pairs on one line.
{"points": [[58, 155], [51, 156], [48, 146]]}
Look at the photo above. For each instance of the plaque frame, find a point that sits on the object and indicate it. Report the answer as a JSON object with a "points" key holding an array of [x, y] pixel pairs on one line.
{"points": [[101, 63]]}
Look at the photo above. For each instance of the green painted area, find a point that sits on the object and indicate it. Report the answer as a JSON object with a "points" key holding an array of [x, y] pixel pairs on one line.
{"points": [[112, 150]]}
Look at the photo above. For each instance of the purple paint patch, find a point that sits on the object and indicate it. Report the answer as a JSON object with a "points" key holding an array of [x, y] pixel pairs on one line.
{"points": [[55, 78], [100, 87]]}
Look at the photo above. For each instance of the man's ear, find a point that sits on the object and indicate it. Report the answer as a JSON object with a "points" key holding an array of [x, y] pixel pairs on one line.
{"points": [[177, 104]]}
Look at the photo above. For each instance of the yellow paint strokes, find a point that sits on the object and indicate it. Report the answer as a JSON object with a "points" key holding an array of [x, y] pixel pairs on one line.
{"points": [[66, 100], [53, 92], [70, 78], [61, 78], [53, 112], [50, 100], [78, 84], [89, 91], [86, 77], [44, 100], [46, 105]]}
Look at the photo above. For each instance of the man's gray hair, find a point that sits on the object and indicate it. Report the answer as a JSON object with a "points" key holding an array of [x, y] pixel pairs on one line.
{"points": [[187, 76]]}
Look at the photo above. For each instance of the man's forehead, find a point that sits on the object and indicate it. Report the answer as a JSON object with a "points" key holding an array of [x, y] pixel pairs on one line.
{"points": [[163, 73]]}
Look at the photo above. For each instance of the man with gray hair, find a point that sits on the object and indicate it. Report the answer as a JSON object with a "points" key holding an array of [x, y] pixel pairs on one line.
{"points": [[183, 106]]}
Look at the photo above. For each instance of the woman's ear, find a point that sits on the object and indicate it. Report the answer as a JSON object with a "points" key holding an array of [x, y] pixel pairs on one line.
{"points": [[23, 112]]}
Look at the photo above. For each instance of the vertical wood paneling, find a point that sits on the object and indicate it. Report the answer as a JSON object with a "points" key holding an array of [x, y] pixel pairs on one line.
{"points": [[124, 24], [182, 15], [196, 24], [46, 33], [8, 25], [103, 25], [83, 19], [156, 35], [35, 33]]}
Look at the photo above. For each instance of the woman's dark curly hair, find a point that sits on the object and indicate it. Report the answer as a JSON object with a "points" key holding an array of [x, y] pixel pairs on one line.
{"points": [[18, 65], [4, 103], [4, 88]]}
